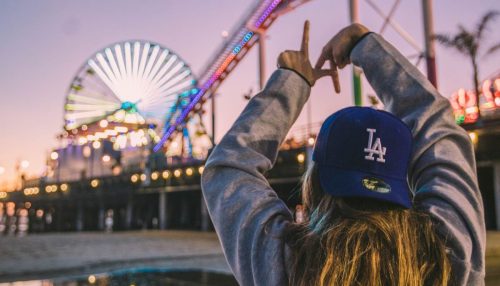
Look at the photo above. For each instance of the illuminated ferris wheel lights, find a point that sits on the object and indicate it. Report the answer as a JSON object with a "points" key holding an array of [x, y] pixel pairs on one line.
{"points": [[131, 82], [163, 70], [149, 66], [89, 100], [135, 65], [142, 63], [85, 114], [174, 81], [112, 61], [119, 56]]}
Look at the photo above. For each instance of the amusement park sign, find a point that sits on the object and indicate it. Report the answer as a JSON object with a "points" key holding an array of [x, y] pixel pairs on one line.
{"points": [[464, 104]]}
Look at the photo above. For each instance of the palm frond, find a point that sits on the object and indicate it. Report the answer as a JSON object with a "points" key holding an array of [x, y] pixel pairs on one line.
{"points": [[443, 39], [492, 49], [483, 24]]}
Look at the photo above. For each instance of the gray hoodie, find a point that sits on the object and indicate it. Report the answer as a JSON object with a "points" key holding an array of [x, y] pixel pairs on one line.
{"points": [[248, 215]]}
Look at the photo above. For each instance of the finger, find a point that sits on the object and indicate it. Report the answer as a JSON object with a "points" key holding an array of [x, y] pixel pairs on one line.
{"points": [[321, 61], [305, 39], [322, 73], [335, 76]]}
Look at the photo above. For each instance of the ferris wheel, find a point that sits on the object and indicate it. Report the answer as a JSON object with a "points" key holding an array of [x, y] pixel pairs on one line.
{"points": [[128, 82]]}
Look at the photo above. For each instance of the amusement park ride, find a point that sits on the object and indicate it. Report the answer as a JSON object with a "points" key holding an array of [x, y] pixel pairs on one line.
{"points": [[133, 132], [141, 98]]}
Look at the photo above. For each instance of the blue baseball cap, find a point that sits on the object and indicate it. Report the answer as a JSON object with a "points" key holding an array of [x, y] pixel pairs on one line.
{"points": [[362, 152]]}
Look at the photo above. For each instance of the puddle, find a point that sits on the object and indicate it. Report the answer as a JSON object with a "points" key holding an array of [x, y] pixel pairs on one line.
{"points": [[138, 277]]}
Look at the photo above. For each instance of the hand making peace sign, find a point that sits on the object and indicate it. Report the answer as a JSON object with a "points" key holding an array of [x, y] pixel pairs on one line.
{"points": [[299, 62]]}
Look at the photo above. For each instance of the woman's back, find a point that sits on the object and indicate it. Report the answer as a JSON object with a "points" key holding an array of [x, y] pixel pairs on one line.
{"points": [[253, 223]]}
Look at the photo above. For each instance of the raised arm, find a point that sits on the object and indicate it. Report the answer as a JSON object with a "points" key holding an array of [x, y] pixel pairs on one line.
{"points": [[442, 171], [247, 214]]}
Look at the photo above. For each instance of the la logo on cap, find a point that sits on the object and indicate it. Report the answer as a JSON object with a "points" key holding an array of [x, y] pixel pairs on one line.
{"points": [[374, 148]]}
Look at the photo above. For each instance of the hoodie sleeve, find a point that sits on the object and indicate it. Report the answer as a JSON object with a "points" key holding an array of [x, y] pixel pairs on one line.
{"points": [[442, 170], [247, 214]]}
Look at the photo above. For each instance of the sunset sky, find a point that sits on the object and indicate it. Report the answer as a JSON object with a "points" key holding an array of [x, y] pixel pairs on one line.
{"points": [[44, 43]]}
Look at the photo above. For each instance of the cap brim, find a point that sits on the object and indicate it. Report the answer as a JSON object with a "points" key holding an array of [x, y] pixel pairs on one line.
{"points": [[339, 182]]}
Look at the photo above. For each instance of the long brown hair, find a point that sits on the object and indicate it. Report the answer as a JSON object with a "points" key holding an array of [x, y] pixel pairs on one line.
{"points": [[349, 241]]}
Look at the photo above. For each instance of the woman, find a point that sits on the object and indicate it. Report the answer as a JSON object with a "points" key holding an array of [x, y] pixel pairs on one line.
{"points": [[362, 225]]}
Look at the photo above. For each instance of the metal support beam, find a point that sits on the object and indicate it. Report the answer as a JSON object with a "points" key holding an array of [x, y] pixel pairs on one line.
{"points": [[79, 217], [205, 219], [128, 214], [262, 59], [496, 187], [213, 118], [356, 72], [430, 54], [101, 217], [162, 209]]}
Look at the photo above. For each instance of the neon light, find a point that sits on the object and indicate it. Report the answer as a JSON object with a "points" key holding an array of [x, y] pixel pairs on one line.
{"points": [[266, 13]]}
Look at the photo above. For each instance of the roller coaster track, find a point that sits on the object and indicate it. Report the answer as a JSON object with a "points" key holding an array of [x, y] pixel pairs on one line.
{"points": [[235, 47]]}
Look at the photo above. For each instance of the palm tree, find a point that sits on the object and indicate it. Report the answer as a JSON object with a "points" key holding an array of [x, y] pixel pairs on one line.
{"points": [[469, 43]]}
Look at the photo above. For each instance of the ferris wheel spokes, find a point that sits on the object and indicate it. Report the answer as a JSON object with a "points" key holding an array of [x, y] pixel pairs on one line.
{"points": [[125, 79]]}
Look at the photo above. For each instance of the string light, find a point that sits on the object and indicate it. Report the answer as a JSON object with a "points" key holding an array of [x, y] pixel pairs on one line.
{"points": [[134, 178], [154, 176], [301, 158], [165, 174], [94, 183], [473, 137], [177, 173]]}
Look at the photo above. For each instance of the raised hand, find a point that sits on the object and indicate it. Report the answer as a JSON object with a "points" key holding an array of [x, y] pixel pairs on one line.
{"points": [[338, 49], [299, 62]]}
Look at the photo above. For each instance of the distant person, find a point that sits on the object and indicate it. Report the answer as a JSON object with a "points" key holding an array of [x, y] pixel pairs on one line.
{"points": [[391, 198]]}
